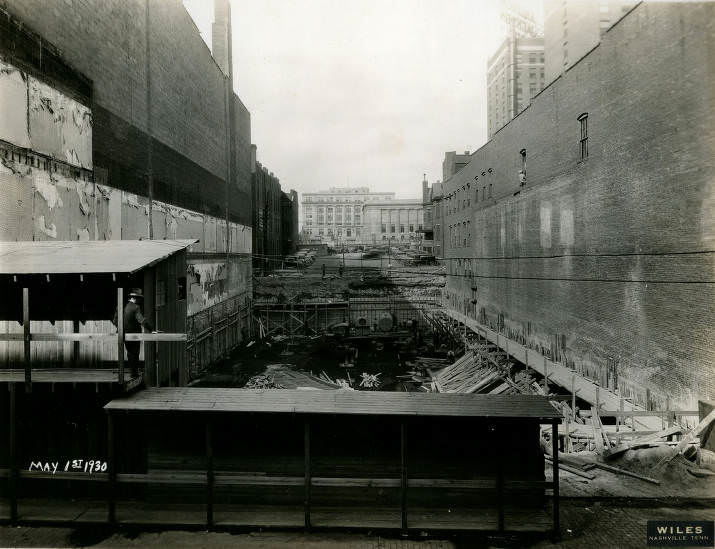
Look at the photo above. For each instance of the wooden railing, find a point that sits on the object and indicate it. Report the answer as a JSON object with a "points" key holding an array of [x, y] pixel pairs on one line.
{"points": [[120, 337]]}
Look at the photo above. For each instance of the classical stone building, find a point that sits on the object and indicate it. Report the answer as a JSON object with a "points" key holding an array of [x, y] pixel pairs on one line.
{"points": [[336, 215]]}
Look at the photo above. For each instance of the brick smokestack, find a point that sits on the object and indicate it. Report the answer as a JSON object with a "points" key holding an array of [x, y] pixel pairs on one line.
{"points": [[221, 36]]}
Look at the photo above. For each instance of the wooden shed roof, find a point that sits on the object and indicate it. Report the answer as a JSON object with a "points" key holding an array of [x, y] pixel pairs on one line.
{"points": [[85, 257], [199, 399]]}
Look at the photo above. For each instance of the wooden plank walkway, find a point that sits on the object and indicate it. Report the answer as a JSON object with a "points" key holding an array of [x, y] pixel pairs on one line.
{"points": [[199, 399], [161, 513], [68, 375], [557, 373]]}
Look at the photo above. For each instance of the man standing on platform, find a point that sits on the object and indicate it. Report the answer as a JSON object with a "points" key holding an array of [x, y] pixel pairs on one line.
{"points": [[134, 320]]}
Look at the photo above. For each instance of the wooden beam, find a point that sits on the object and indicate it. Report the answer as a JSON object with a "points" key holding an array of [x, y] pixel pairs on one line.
{"points": [[120, 333], [620, 471], [26, 337], [162, 336], [307, 479], [403, 476], [75, 344], [500, 487], [641, 441], [209, 476], [555, 470], [112, 477], [13, 456], [707, 420]]}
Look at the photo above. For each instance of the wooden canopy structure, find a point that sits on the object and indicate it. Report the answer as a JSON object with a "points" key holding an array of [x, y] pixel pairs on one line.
{"points": [[334, 459], [56, 286]]}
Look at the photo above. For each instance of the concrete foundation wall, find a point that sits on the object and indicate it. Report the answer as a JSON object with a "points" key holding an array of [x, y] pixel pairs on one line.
{"points": [[606, 263]]}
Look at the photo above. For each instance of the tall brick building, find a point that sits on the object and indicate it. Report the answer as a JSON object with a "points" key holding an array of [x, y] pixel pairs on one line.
{"points": [[134, 132], [573, 27], [585, 227], [275, 217], [515, 74]]}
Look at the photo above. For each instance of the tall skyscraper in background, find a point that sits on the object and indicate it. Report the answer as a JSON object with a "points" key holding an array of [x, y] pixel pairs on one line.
{"points": [[572, 28], [515, 73]]}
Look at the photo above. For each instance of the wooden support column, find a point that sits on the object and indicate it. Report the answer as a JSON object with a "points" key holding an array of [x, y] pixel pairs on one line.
{"points": [[111, 461], [26, 337], [13, 456], [403, 476], [120, 334], [209, 476], [75, 345], [500, 486], [573, 397], [555, 465], [306, 449]]}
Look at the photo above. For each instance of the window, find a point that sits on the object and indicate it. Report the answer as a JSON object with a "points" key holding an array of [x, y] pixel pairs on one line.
{"points": [[348, 232], [384, 228], [490, 190], [392, 227], [412, 227], [402, 227], [583, 119]]}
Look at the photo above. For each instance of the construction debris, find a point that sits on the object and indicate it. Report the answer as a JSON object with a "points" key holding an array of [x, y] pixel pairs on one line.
{"points": [[641, 442], [370, 381], [704, 424], [620, 471], [263, 382]]}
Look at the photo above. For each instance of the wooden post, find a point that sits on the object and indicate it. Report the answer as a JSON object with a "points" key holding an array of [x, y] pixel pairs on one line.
{"points": [[620, 418], [500, 489], [555, 465], [209, 476], [13, 456], [546, 378], [112, 476], [306, 450], [75, 345], [526, 357], [598, 400], [26, 337], [403, 477], [573, 396], [120, 333]]}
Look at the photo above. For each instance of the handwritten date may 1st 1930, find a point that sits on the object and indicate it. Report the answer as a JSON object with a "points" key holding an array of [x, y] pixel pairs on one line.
{"points": [[71, 465]]}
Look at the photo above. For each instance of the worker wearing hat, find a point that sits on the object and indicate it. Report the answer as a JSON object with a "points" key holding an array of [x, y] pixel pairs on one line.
{"points": [[134, 320]]}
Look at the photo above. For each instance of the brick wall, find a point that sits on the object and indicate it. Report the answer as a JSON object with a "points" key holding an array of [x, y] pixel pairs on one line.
{"points": [[106, 40], [266, 205], [619, 222]]}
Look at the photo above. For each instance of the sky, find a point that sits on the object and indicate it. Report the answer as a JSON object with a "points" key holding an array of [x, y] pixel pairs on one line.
{"points": [[360, 92]]}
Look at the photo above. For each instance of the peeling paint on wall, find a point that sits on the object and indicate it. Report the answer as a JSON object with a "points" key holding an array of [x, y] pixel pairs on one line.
{"points": [[13, 106], [545, 217], [41, 226], [59, 126], [47, 189], [566, 229]]}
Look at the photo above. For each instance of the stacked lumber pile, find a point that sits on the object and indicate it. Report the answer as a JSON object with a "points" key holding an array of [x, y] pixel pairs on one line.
{"points": [[262, 382], [469, 374]]}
